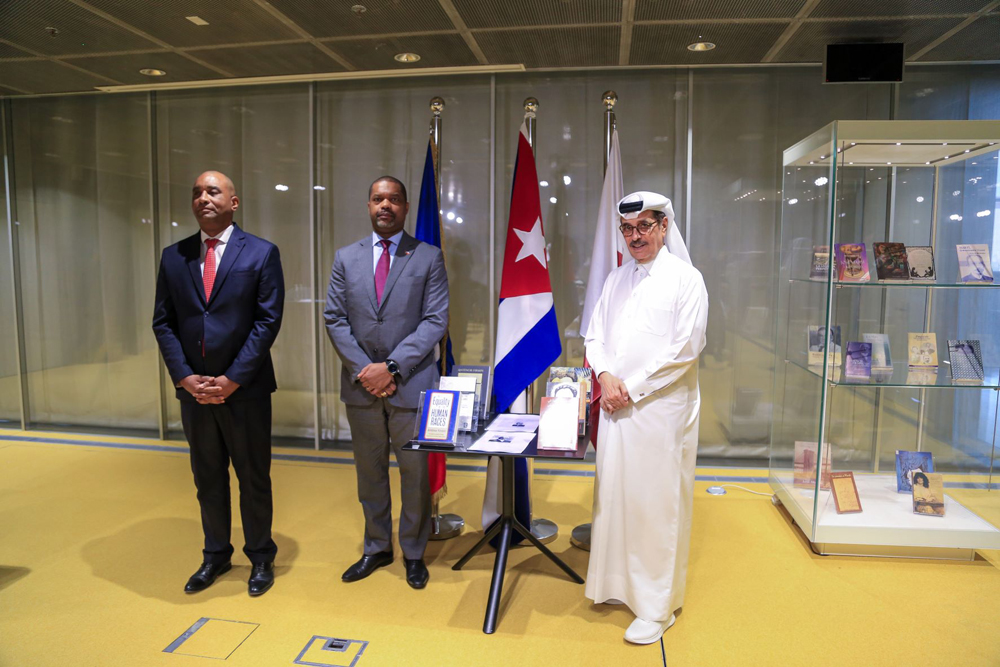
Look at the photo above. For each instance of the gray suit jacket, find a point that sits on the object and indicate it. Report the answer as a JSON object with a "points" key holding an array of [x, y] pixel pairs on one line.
{"points": [[406, 327]]}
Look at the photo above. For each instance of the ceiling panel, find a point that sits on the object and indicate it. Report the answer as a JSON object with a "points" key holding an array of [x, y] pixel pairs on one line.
{"points": [[808, 44], [434, 50], [478, 14], [674, 10], [845, 8], [45, 76], [334, 18], [552, 47], [666, 44], [980, 40], [271, 60], [125, 68], [80, 32], [9, 91], [229, 21], [8, 51]]}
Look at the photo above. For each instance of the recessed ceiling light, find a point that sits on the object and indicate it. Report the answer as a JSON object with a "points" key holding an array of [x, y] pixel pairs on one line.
{"points": [[152, 72], [359, 9], [197, 20], [407, 57], [701, 46]]}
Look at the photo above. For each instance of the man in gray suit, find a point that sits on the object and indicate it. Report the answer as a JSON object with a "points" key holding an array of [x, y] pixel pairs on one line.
{"points": [[386, 312]]}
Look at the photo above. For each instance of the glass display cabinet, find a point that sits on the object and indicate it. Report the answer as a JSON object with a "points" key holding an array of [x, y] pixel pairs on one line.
{"points": [[914, 188]]}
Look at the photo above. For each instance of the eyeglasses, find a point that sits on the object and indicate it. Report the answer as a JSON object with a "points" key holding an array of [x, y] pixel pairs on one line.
{"points": [[643, 228]]}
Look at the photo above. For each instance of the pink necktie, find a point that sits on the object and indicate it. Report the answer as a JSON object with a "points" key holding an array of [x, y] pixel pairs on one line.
{"points": [[382, 270], [208, 277]]}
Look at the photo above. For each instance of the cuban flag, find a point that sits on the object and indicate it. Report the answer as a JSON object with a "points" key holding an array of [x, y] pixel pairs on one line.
{"points": [[527, 333], [429, 231]]}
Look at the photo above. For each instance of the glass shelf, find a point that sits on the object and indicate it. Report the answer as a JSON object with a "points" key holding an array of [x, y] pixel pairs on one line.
{"points": [[913, 284], [902, 376]]}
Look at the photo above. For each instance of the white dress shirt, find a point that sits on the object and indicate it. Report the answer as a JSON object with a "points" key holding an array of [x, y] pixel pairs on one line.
{"points": [[220, 247], [377, 248]]}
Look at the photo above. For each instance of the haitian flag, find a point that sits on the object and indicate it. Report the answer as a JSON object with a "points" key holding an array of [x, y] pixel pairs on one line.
{"points": [[527, 333], [429, 231]]}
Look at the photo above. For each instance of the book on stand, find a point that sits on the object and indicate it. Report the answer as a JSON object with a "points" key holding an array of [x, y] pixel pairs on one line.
{"points": [[923, 350], [974, 263], [881, 359], [921, 259], [820, 269], [852, 263], [966, 359], [858, 362], [890, 262], [928, 493], [909, 463], [816, 340]]}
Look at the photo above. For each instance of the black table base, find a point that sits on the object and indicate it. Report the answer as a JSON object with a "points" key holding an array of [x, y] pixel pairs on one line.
{"points": [[505, 526]]}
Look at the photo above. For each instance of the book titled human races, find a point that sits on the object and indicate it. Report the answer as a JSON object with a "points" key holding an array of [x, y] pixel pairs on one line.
{"points": [[974, 263], [890, 262], [845, 493], [820, 269], [928, 493], [852, 263], [816, 337], [909, 463], [921, 259], [966, 359], [468, 418], [483, 375], [438, 423], [923, 350], [858, 362]]}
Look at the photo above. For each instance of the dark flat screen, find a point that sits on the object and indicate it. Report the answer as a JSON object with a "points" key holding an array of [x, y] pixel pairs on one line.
{"points": [[863, 63]]}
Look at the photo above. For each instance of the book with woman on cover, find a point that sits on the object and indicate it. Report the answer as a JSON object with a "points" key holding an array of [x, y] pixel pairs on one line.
{"points": [[928, 493], [921, 259], [908, 464], [852, 263], [974, 263], [890, 262]]}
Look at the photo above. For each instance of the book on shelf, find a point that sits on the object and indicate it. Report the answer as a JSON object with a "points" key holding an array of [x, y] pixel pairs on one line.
{"points": [[928, 493], [890, 262], [557, 423], [966, 359], [816, 345], [923, 350], [858, 360], [921, 259], [468, 409], [881, 359], [483, 387], [974, 263], [852, 263], [820, 269], [845, 493], [909, 463], [577, 375], [437, 417], [804, 462]]}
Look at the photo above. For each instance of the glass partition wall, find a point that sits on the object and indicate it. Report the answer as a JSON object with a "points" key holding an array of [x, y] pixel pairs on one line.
{"points": [[100, 185]]}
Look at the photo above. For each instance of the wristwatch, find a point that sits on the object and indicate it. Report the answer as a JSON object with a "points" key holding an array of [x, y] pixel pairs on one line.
{"points": [[392, 367]]}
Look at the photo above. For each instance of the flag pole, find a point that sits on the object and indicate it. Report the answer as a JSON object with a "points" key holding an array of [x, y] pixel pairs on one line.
{"points": [[580, 537], [443, 526], [544, 530]]}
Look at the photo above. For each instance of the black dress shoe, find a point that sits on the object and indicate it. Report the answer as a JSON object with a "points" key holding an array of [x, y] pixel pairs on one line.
{"points": [[368, 564], [261, 578], [206, 576], [416, 573]]}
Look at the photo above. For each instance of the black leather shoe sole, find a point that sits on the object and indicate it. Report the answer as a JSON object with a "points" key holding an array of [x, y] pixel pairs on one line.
{"points": [[197, 584], [362, 569]]}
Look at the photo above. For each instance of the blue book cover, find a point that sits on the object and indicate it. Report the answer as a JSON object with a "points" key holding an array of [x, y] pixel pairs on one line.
{"points": [[908, 463], [858, 362], [439, 416]]}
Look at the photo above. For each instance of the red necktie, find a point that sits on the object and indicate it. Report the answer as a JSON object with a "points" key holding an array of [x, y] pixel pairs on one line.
{"points": [[208, 277], [382, 270]]}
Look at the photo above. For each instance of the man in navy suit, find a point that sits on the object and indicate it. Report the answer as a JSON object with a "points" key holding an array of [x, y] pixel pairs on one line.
{"points": [[219, 300]]}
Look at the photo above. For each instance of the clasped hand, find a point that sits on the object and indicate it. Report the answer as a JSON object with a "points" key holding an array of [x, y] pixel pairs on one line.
{"points": [[377, 380], [614, 393], [209, 390]]}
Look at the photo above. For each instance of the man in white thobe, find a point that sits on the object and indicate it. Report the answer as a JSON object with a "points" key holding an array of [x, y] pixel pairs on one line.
{"points": [[645, 335]]}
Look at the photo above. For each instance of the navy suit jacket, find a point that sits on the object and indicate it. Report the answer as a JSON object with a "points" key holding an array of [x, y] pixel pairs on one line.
{"points": [[238, 325]]}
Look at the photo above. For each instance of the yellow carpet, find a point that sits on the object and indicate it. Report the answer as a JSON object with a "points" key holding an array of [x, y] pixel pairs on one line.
{"points": [[97, 542]]}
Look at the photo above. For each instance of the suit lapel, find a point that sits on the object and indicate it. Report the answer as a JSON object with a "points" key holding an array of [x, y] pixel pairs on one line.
{"points": [[364, 268], [406, 246], [236, 242], [192, 252]]}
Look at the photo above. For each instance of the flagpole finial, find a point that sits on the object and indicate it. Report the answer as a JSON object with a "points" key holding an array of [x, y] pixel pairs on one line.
{"points": [[610, 98], [530, 107], [437, 105]]}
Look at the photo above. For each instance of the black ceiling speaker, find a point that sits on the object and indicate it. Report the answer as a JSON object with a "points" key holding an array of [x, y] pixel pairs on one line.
{"points": [[863, 63]]}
